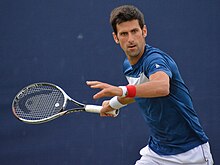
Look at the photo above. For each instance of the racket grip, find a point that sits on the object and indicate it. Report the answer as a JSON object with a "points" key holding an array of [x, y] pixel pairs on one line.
{"points": [[97, 109]]}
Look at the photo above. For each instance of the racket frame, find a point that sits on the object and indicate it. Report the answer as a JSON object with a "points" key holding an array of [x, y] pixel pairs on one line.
{"points": [[81, 106]]}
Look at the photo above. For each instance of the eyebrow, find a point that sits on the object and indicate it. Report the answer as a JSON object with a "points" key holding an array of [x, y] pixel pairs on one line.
{"points": [[129, 30]]}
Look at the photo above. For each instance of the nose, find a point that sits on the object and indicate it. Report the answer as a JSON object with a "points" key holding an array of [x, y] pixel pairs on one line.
{"points": [[130, 38]]}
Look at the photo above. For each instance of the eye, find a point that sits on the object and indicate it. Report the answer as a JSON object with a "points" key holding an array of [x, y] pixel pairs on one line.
{"points": [[123, 34], [134, 31]]}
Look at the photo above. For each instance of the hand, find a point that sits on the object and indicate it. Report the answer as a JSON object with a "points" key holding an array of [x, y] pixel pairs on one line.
{"points": [[106, 108], [107, 90]]}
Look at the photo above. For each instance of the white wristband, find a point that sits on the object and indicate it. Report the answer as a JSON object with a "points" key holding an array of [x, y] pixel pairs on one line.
{"points": [[115, 104], [124, 91]]}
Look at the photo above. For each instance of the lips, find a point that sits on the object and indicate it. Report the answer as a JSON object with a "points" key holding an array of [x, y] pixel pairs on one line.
{"points": [[131, 46]]}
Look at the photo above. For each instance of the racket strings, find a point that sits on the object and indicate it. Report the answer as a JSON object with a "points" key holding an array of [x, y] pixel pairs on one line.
{"points": [[39, 102]]}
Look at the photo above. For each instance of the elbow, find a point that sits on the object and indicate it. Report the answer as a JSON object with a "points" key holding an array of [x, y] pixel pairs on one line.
{"points": [[166, 92], [163, 90]]}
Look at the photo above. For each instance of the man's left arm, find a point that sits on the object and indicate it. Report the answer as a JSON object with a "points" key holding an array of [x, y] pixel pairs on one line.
{"points": [[157, 86]]}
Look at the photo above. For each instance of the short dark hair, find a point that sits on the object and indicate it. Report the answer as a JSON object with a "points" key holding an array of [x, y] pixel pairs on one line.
{"points": [[126, 13]]}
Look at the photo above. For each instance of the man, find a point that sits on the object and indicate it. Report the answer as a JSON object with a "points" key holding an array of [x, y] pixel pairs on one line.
{"points": [[156, 85]]}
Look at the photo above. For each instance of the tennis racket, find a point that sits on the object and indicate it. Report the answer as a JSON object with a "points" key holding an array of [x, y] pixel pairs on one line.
{"points": [[42, 102]]}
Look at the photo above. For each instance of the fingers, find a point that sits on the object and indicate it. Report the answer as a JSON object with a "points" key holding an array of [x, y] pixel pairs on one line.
{"points": [[98, 95], [107, 90], [92, 83], [97, 84], [106, 108]]}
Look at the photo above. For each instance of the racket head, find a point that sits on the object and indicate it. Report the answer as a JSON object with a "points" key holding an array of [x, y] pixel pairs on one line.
{"points": [[39, 103]]}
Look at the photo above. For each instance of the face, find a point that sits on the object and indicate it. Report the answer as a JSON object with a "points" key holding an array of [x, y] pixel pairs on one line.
{"points": [[131, 39]]}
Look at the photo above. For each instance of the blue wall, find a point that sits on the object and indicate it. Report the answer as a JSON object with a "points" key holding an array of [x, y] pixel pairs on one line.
{"points": [[67, 43]]}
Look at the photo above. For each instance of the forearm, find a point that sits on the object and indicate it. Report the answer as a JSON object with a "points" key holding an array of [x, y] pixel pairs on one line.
{"points": [[152, 89], [157, 86]]}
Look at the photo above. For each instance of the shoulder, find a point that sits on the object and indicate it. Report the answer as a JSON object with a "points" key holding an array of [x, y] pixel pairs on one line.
{"points": [[153, 53], [157, 60]]}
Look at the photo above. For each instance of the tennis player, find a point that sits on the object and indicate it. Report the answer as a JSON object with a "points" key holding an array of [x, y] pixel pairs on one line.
{"points": [[156, 85]]}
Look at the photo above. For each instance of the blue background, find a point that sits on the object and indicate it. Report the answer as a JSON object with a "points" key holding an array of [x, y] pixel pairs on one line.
{"points": [[68, 42]]}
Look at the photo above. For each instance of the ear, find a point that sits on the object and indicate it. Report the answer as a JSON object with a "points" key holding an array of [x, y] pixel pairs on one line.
{"points": [[144, 30], [115, 38]]}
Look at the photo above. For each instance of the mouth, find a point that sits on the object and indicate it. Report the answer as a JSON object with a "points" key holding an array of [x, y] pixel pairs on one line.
{"points": [[131, 46]]}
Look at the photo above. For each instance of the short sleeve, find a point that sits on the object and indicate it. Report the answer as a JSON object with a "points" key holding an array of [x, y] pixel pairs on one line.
{"points": [[155, 63]]}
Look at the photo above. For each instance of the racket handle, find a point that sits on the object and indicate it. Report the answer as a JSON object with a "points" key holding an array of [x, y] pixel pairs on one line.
{"points": [[97, 109]]}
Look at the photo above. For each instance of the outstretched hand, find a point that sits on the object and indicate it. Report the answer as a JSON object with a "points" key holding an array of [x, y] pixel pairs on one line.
{"points": [[107, 90]]}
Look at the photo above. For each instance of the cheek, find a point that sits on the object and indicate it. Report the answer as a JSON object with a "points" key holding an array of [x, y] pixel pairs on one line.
{"points": [[122, 42], [140, 39]]}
